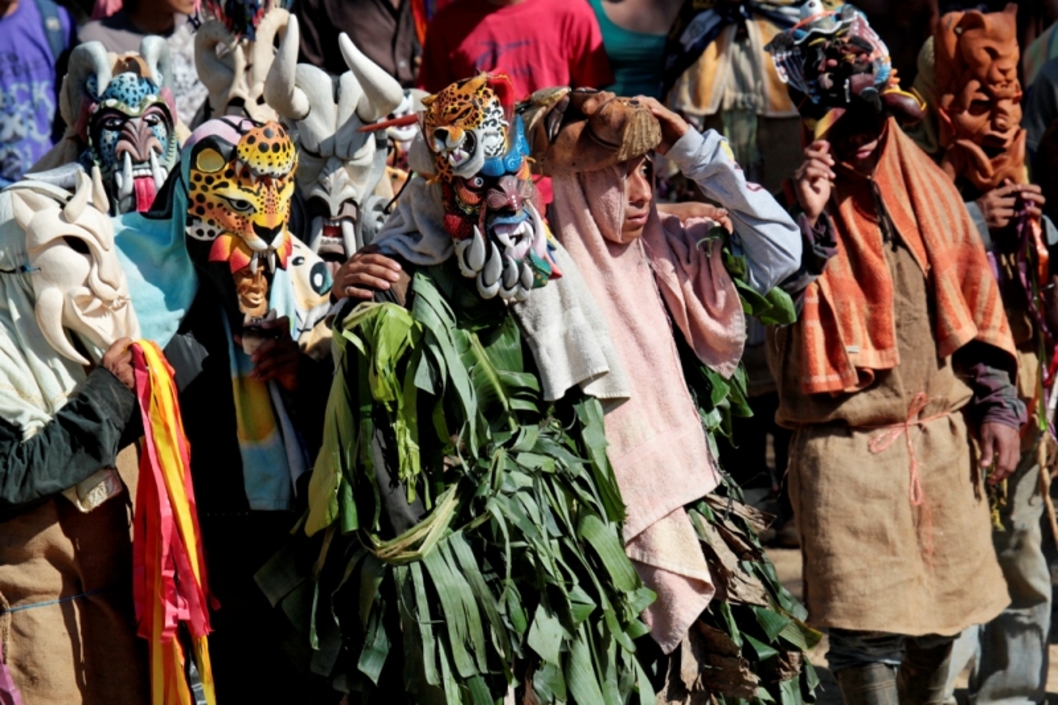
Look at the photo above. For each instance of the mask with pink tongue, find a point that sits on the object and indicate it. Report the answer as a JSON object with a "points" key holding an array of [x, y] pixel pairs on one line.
{"points": [[127, 119]]}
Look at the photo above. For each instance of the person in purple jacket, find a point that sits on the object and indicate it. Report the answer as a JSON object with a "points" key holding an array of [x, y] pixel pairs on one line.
{"points": [[35, 39]]}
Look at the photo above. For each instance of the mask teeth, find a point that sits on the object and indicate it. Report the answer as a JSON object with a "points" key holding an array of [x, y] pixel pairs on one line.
{"points": [[255, 262], [272, 261], [348, 228], [158, 171]]}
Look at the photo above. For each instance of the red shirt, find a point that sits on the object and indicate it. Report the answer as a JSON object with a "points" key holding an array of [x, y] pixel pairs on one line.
{"points": [[538, 43]]}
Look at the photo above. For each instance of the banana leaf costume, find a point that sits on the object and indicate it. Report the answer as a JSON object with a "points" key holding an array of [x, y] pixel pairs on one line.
{"points": [[467, 517]]}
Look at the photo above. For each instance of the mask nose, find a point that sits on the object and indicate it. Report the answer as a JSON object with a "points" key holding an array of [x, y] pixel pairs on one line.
{"points": [[267, 234]]}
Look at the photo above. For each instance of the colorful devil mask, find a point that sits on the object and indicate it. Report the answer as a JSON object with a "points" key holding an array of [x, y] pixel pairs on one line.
{"points": [[979, 97], [240, 185], [832, 62], [123, 111], [77, 278], [341, 164], [492, 209]]}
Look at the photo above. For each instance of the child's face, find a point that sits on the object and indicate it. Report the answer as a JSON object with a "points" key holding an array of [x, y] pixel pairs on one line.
{"points": [[639, 193]]}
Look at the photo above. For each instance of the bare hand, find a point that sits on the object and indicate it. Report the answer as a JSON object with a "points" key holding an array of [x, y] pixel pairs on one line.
{"points": [[673, 127], [118, 360], [365, 272], [276, 358], [1000, 450], [813, 180], [998, 205], [696, 209]]}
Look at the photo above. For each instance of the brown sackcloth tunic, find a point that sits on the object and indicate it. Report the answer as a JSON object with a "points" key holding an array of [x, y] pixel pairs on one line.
{"points": [[866, 567], [81, 651]]}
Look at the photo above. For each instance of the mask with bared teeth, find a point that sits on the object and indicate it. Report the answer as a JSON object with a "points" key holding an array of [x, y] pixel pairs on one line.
{"points": [[492, 208]]}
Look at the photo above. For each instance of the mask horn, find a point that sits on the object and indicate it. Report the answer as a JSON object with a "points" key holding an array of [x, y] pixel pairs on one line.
{"points": [[155, 52], [99, 192], [88, 59], [280, 89], [76, 205], [382, 92], [276, 21], [212, 70]]}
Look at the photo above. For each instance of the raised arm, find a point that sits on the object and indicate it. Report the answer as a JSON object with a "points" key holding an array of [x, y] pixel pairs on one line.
{"points": [[764, 230]]}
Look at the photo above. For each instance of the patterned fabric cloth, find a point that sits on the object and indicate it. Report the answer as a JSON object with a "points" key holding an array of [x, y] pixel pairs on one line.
{"points": [[848, 316], [699, 24]]}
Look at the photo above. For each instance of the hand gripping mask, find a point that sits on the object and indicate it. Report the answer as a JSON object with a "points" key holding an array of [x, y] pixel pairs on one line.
{"points": [[492, 209]]}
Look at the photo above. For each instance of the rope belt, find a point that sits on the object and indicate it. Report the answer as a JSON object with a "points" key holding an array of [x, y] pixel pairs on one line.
{"points": [[889, 435]]}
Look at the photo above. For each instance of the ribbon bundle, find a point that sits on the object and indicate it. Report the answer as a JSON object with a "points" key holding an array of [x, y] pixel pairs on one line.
{"points": [[169, 573]]}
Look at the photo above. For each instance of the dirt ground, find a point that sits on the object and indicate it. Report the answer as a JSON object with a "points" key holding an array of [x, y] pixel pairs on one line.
{"points": [[788, 564]]}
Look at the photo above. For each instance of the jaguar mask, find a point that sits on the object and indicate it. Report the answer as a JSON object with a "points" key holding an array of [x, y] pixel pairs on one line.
{"points": [[240, 185], [123, 111], [979, 97], [492, 209], [342, 163]]}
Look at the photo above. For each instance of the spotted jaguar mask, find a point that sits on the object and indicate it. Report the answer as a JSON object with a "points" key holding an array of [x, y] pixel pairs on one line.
{"points": [[492, 209], [240, 185], [126, 118]]}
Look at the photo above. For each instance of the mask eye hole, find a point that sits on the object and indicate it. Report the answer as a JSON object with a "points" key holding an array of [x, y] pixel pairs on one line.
{"points": [[77, 245], [239, 205]]}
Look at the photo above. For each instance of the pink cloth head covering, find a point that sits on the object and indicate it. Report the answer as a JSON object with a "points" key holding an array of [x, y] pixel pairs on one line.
{"points": [[656, 441]]}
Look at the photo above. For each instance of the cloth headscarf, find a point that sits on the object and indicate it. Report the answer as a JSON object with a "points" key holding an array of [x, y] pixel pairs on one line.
{"points": [[656, 442]]}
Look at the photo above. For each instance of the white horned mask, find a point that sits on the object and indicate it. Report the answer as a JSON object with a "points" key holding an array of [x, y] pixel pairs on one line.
{"points": [[234, 65], [78, 281], [341, 163]]}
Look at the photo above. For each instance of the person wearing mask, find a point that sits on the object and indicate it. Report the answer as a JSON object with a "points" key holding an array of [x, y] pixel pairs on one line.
{"points": [[901, 351], [35, 39], [972, 62]]}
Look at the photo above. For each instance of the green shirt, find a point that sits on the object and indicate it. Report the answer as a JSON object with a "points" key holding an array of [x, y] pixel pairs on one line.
{"points": [[635, 57]]}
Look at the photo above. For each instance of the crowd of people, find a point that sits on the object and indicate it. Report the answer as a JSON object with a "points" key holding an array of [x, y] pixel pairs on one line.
{"points": [[450, 351]]}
